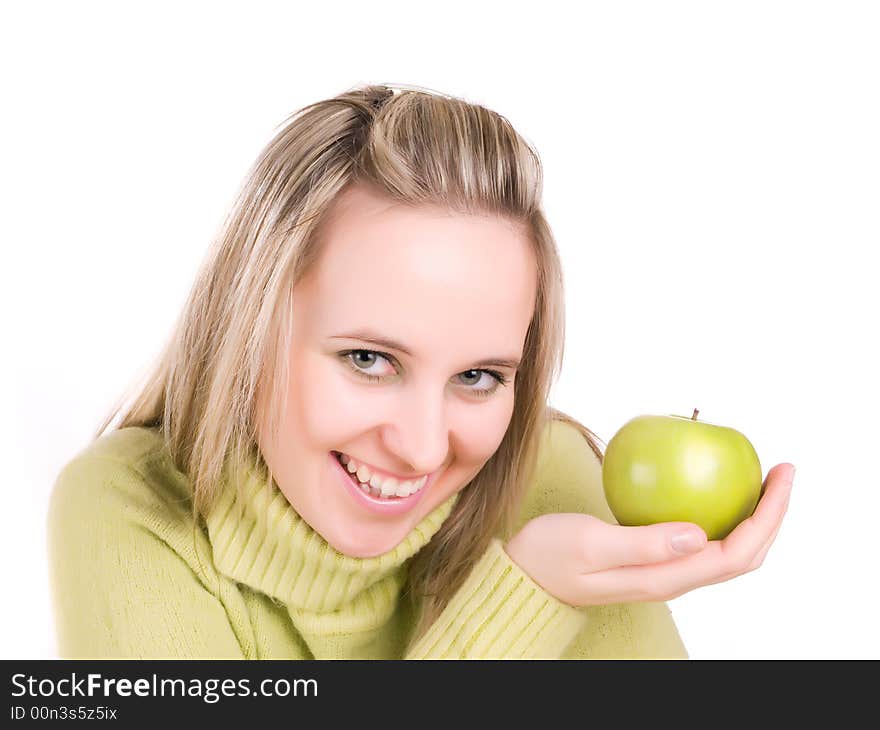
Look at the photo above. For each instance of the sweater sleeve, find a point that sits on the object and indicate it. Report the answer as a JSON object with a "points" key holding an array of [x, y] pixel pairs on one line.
{"points": [[500, 612], [126, 581]]}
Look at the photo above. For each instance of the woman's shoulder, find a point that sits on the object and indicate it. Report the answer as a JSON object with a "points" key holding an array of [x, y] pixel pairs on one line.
{"points": [[128, 469], [130, 444], [568, 475], [130, 570]]}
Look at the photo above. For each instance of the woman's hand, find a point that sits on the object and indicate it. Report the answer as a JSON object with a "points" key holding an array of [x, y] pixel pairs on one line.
{"points": [[584, 561]]}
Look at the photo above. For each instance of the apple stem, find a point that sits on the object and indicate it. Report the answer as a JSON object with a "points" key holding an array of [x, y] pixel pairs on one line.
{"points": [[694, 417]]}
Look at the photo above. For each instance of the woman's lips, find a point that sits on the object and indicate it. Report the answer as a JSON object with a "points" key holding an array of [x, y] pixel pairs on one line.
{"points": [[379, 505], [381, 472]]}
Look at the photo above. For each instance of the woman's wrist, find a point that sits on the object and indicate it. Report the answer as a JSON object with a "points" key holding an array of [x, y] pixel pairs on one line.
{"points": [[515, 550]]}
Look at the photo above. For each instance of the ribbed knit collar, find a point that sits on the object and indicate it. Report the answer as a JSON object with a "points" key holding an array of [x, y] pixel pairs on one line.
{"points": [[268, 546]]}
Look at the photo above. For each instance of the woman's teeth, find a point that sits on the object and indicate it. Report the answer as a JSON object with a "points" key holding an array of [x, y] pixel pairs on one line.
{"points": [[377, 486]]}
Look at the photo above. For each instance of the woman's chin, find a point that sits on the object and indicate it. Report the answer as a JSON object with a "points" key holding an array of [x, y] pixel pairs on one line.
{"points": [[365, 546]]}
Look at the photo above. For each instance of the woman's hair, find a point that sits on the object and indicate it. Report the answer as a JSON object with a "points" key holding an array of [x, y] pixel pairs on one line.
{"points": [[227, 354]]}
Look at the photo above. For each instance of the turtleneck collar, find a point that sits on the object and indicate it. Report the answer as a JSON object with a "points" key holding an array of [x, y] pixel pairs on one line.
{"points": [[259, 539]]}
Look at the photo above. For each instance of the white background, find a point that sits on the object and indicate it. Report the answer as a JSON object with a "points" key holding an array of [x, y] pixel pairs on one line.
{"points": [[712, 177]]}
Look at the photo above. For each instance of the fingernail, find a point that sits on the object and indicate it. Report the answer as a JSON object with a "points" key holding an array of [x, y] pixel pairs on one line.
{"points": [[791, 477], [687, 542]]}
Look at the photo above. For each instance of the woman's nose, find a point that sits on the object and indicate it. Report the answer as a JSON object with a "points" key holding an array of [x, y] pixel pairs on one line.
{"points": [[418, 433]]}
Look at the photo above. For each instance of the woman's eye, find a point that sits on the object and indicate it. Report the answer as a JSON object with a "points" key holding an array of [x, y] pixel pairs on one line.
{"points": [[362, 361], [365, 359], [473, 377]]}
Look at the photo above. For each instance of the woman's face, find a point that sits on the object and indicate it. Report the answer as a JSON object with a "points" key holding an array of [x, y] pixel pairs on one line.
{"points": [[454, 293]]}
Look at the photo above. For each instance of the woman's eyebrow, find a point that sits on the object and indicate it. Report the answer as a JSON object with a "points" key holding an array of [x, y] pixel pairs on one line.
{"points": [[374, 339]]}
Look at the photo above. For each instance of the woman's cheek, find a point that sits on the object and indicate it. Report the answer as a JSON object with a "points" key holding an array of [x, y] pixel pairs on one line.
{"points": [[478, 428], [336, 406]]}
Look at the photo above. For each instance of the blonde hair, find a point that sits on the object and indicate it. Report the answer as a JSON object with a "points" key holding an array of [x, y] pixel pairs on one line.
{"points": [[226, 356]]}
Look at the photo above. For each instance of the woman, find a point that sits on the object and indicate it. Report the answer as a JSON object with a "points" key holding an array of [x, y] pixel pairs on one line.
{"points": [[345, 450]]}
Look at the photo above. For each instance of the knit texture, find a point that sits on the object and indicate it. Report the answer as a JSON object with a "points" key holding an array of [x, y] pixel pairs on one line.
{"points": [[133, 576]]}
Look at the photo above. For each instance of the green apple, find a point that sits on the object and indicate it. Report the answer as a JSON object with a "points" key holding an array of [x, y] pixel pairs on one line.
{"points": [[679, 469]]}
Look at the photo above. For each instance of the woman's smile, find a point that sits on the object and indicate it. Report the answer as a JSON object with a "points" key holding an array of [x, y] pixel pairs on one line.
{"points": [[389, 498], [366, 472]]}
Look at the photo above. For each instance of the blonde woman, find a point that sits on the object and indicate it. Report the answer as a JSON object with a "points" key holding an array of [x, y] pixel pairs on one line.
{"points": [[345, 449]]}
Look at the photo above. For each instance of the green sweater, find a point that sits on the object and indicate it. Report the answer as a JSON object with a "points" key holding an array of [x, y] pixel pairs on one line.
{"points": [[133, 576]]}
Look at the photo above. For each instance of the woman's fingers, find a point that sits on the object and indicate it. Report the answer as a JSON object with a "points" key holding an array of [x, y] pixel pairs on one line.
{"points": [[744, 544], [608, 546], [717, 562], [759, 559], [657, 582]]}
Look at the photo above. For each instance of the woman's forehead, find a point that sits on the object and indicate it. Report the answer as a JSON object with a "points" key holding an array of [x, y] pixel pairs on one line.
{"points": [[403, 269], [372, 233]]}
